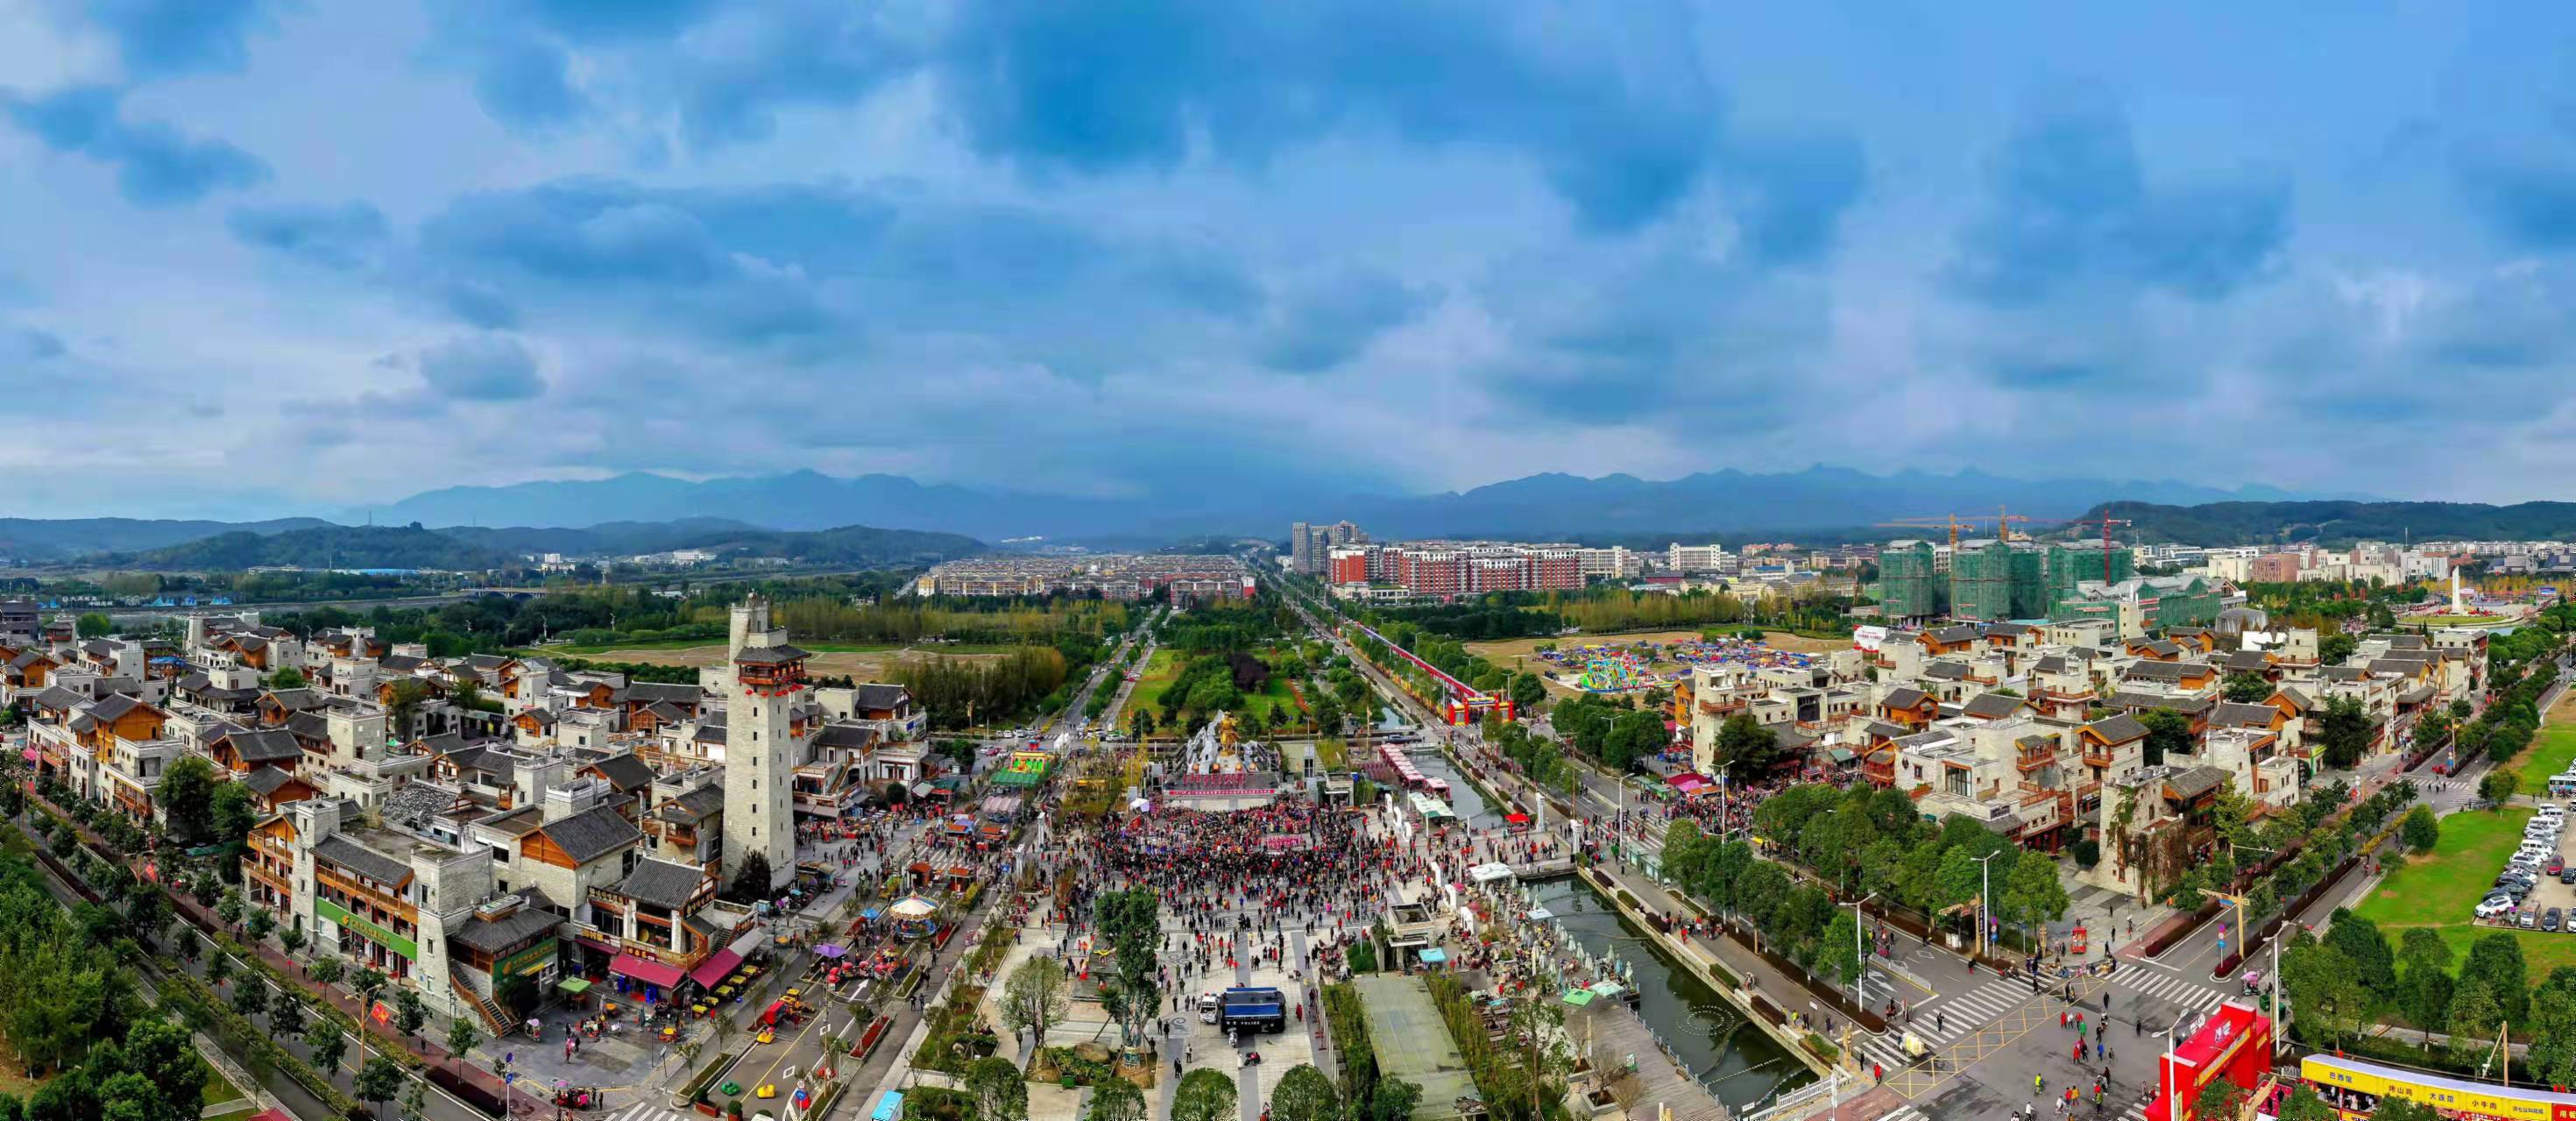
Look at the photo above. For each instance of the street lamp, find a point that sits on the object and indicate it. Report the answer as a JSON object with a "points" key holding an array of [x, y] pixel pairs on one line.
{"points": [[1985, 891], [2173, 1109], [1860, 957]]}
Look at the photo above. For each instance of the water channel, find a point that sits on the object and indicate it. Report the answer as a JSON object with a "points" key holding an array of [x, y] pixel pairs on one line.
{"points": [[1736, 1060]]}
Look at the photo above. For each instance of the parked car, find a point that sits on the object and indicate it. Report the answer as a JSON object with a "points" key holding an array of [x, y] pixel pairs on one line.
{"points": [[2494, 905], [2549, 920], [2527, 920]]}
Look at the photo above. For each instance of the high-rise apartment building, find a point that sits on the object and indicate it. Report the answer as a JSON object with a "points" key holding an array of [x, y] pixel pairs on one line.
{"points": [[1310, 545], [1695, 558]]}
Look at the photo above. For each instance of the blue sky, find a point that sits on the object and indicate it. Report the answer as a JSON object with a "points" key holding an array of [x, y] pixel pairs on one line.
{"points": [[265, 256]]}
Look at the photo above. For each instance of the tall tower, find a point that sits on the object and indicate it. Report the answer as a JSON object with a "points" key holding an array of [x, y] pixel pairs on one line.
{"points": [[759, 734]]}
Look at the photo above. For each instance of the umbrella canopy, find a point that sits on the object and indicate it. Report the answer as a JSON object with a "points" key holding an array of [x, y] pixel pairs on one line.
{"points": [[913, 907], [829, 950], [1579, 997]]}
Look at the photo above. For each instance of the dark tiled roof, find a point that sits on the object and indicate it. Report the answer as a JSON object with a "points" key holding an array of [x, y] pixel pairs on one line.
{"points": [[876, 695], [664, 691], [666, 712], [114, 706], [1904, 697], [2159, 671], [414, 801], [625, 772], [1960, 633], [694, 806], [310, 725], [2118, 729], [362, 860], [296, 700], [264, 781], [661, 883], [2231, 714], [267, 745], [2187, 706], [2194, 782], [501, 935], [768, 655], [846, 735], [591, 834], [2246, 661], [2052, 664], [1993, 706], [58, 698], [401, 663]]}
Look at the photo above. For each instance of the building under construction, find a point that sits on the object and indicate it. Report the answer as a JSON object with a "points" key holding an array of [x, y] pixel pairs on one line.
{"points": [[2078, 561], [1906, 587], [1993, 580]]}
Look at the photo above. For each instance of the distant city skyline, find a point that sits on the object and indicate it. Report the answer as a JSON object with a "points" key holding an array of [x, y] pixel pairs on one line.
{"points": [[267, 258]]}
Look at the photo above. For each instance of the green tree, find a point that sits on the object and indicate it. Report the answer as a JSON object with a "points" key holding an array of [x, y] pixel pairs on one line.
{"points": [[2424, 991], [187, 798], [2497, 786], [2422, 829], [2168, 733], [94, 625], [2033, 895], [2345, 733], [1528, 691], [1837, 950], [286, 1016], [2247, 688], [285, 679], [2334, 648], [409, 1013], [2393, 1108], [1000, 1093], [379, 1080], [2475, 1012], [290, 940], [1304, 1094], [328, 1046], [2372, 958], [1745, 748], [752, 880], [327, 970], [2495, 960], [1116, 1099], [1392, 1100], [1686, 852], [1204, 1095], [1034, 998], [462, 1036], [250, 998], [406, 697]]}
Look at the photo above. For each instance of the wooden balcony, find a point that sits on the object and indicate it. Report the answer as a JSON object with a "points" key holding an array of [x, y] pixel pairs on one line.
{"points": [[2093, 758], [2029, 761]]}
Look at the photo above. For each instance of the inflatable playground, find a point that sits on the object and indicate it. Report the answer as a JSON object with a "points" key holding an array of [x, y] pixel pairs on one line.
{"points": [[1632, 666]]}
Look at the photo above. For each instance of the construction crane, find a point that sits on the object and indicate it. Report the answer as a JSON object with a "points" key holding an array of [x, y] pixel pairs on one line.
{"points": [[1953, 522], [2106, 524]]}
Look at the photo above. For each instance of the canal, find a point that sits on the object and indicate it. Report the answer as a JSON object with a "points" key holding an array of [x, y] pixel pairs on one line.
{"points": [[1737, 1061]]}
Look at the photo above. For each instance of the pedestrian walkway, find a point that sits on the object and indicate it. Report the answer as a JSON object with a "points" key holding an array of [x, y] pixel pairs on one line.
{"points": [[2178, 991], [648, 1111], [1948, 1017]]}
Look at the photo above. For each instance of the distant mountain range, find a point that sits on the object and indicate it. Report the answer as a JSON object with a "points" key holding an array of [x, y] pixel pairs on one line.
{"points": [[2341, 523], [1539, 506], [828, 520]]}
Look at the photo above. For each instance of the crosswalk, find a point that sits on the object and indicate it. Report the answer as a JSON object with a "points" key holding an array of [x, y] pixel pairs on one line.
{"points": [[2166, 987], [644, 1111], [1908, 1113], [1946, 1018]]}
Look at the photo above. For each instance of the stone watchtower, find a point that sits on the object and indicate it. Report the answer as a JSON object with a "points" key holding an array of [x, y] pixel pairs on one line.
{"points": [[760, 733]]}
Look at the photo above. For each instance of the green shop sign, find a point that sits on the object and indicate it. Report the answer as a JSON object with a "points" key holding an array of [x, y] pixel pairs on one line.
{"points": [[383, 937], [531, 961]]}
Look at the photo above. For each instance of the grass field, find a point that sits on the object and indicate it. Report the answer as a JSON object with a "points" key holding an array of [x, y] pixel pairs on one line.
{"points": [[1166, 668], [2457, 620], [2438, 890], [2550, 751]]}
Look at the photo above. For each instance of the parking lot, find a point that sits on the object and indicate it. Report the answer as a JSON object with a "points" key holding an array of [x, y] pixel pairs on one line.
{"points": [[2540, 860]]}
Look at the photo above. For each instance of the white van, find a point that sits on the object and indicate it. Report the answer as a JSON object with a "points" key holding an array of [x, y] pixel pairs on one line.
{"points": [[2562, 785], [2551, 811]]}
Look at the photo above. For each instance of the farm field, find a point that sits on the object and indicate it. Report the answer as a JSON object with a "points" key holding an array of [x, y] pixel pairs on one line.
{"points": [[2438, 890], [1521, 653]]}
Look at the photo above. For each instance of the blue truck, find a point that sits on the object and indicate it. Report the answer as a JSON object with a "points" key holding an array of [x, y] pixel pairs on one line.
{"points": [[1255, 1009]]}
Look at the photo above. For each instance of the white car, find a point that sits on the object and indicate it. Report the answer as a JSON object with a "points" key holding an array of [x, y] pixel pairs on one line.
{"points": [[2494, 905]]}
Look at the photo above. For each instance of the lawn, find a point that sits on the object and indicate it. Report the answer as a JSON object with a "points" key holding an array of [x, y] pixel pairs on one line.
{"points": [[1159, 674], [222, 1093], [2550, 751], [2439, 890]]}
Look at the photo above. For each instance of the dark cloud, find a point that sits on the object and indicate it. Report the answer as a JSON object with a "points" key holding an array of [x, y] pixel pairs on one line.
{"points": [[2526, 197], [342, 236], [2070, 208], [1614, 113], [156, 165], [1328, 321], [34, 345], [158, 38], [483, 368]]}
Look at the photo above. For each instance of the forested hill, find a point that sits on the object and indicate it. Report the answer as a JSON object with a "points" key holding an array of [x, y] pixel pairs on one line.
{"points": [[466, 549], [2340, 523], [339, 546]]}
